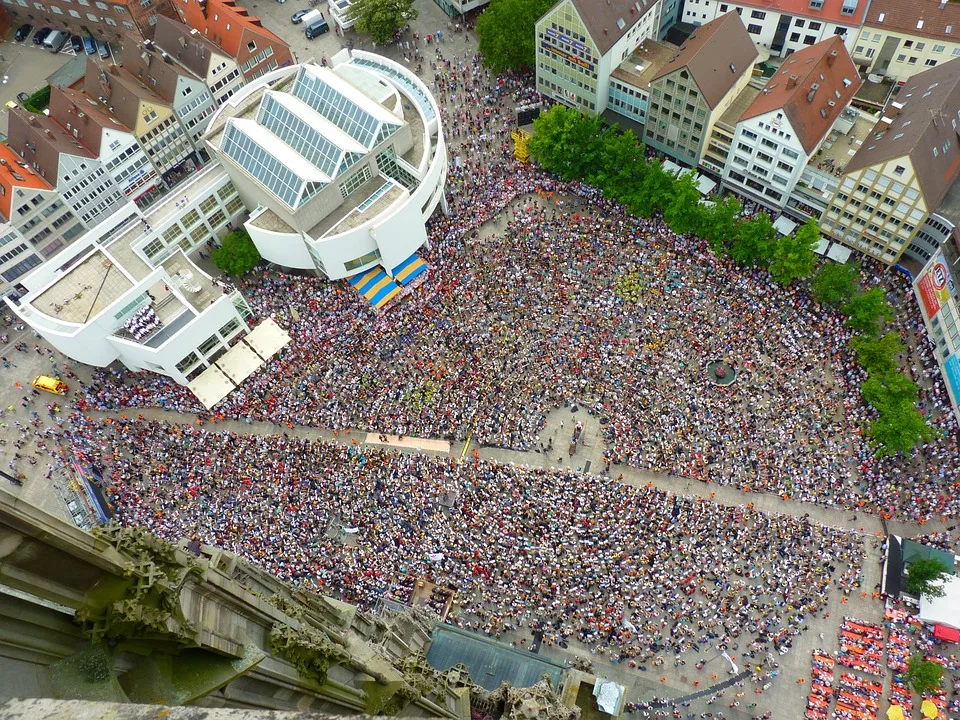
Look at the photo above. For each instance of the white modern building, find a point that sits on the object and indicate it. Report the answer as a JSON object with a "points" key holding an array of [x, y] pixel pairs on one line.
{"points": [[780, 27], [581, 42], [341, 166], [126, 291], [788, 120]]}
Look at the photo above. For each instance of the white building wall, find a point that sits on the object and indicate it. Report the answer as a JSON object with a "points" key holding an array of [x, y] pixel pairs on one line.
{"points": [[127, 163], [762, 24], [193, 105], [88, 188], [223, 77], [755, 140]]}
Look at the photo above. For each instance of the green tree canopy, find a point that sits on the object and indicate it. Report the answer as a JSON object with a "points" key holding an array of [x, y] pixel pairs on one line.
{"points": [[237, 255], [682, 210], [381, 19], [507, 33], [923, 676], [922, 577], [885, 391], [835, 283], [653, 193], [719, 223], [898, 430], [567, 142], [794, 256], [622, 164], [877, 355], [754, 241], [866, 312]]}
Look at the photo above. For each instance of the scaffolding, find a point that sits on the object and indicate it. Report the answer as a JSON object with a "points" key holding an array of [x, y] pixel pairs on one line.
{"points": [[520, 150]]}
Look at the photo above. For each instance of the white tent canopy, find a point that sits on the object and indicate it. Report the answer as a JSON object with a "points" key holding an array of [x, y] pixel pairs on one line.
{"points": [[239, 363], [705, 185], [211, 386], [609, 696], [784, 225], [670, 166], [267, 339], [945, 610], [840, 253], [821, 247]]}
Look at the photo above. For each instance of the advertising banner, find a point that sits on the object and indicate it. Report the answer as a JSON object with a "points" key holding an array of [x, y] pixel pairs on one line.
{"points": [[935, 286]]}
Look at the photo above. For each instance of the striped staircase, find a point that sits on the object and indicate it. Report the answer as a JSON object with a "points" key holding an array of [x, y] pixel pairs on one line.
{"points": [[376, 286]]}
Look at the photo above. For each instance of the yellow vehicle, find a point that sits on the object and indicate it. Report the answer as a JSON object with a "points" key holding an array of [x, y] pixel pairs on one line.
{"points": [[51, 385]]}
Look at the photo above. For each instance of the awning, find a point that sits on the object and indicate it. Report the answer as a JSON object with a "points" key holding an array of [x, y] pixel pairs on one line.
{"points": [[239, 363], [840, 253], [942, 632], [784, 225], [405, 272], [705, 185], [670, 166], [376, 286], [609, 696], [211, 386], [267, 339], [821, 247]]}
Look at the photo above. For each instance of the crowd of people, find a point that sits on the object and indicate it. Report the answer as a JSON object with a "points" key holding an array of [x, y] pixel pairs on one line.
{"points": [[521, 314], [636, 573]]}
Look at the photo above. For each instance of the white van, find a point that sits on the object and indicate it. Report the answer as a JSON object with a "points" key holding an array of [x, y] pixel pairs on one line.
{"points": [[55, 40]]}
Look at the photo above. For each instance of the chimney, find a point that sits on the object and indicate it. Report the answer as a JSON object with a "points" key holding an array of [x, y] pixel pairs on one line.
{"points": [[832, 58], [792, 81]]}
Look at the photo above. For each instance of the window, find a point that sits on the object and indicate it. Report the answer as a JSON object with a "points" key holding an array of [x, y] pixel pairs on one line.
{"points": [[816, 4], [230, 327], [754, 29], [800, 23], [191, 218], [814, 26], [939, 48], [362, 260], [795, 37], [809, 39], [758, 15], [207, 205], [150, 116], [354, 181], [251, 46], [930, 62], [153, 248], [901, 57], [749, 135], [209, 344], [898, 170]]}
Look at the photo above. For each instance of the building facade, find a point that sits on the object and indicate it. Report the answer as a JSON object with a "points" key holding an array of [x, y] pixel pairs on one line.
{"points": [[788, 120], [903, 171], [900, 39], [135, 263], [342, 166], [691, 91], [238, 34], [191, 50], [629, 92], [780, 27], [110, 20], [939, 300], [581, 42]]}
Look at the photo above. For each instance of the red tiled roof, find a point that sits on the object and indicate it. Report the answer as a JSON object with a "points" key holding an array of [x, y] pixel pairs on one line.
{"points": [[905, 15], [832, 10], [27, 178], [223, 22], [609, 20], [826, 65]]}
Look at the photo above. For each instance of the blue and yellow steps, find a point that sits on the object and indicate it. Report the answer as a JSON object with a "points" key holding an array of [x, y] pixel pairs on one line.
{"points": [[376, 286], [405, 272]]}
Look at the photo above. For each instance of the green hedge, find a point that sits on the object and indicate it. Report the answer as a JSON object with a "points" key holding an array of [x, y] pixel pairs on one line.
{"points": [[39, 101]]}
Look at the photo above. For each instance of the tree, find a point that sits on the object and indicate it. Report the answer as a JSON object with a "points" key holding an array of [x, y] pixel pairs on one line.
{"points": [[922, 577], [381, 19], [886, 391], [794, 256], [682, 210], [877, 355], [835, 283], [567, 142], [622, 164], [237, 255], [898, 429], [719, 222], [754, 241], [924, 676], [507, 34], [654, 192], [865, 312]]}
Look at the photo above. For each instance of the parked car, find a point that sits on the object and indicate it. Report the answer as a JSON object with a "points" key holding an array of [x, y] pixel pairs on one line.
{"points": [[297, 17], [315, 27], [103, 49], [40, 35], [76, 42], [89, 45], [22, 97], [23, 32], [55, 41]]}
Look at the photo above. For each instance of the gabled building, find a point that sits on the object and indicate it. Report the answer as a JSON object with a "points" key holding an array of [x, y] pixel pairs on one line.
{"points": [[903, 170], [152, 118], [109, 140], [110, 20], [900, 39], [191, 50], [780, 27], [72, 169], [227, 25], [787, 121], [581, 42], [692, 90]]}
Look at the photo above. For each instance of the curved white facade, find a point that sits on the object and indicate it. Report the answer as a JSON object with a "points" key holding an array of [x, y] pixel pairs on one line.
{"points": [[341, 166]]}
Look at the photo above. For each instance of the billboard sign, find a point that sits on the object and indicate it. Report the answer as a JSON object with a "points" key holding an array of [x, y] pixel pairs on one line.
{"points": [[935, 286]]}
